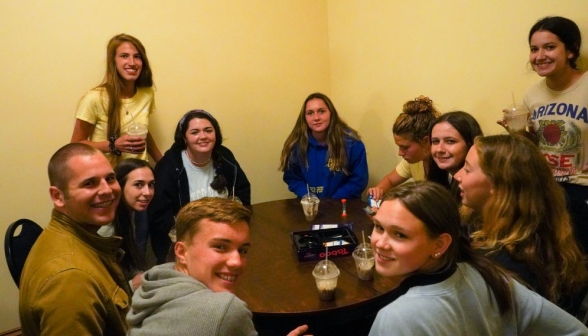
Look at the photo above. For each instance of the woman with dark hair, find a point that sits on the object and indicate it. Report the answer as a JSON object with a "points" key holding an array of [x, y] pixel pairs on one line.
{"points": [[137, 184], [524, 224], [197, 165], [411, 135], [323, 153], [452, 135], [446, 288], [125, 97], [559, 111]]}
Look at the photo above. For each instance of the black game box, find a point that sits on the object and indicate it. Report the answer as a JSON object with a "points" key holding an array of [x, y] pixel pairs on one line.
{"points": [[311, 245]]}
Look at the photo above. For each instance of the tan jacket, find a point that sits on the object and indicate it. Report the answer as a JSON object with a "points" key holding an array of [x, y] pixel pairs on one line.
{"points": [[71, 283]]}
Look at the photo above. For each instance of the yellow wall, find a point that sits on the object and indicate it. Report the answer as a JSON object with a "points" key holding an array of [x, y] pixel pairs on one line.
{"points": [[251, 63], [466, 55]]}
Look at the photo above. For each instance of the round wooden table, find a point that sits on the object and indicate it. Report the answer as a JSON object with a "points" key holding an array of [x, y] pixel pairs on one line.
{"points": [[281, 291]]}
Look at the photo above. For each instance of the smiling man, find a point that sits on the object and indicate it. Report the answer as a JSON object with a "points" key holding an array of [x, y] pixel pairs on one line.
{"points": [[194, 295], [71, 283]]}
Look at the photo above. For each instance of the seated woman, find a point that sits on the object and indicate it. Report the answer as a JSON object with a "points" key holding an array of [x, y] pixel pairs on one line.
{"points": [[452, 135], [197, 165], [411, 135], [523, 222], [323, 153], [447, 288], [136, 180]]}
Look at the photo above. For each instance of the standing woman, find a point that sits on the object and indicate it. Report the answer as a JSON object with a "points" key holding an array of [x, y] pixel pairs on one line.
{"points": [[525, 226], [124, 97], [452, 135], [411, 135], [323, 153], [137, 183], [558, 105], [197, 165]]}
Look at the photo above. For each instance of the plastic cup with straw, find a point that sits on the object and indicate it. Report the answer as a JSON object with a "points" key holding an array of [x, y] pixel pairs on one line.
{"points": [[235, 198], [364, 258], [515, 116], [310, 203], [326, 274]]}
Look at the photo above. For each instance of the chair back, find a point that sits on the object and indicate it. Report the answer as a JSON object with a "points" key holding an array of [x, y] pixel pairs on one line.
{"points": [[17, 247]]}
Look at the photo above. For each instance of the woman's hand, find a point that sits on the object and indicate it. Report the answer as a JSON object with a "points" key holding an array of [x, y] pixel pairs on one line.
{"points": [[130, 144], [502, 122], [376, 193], [299, 331]]}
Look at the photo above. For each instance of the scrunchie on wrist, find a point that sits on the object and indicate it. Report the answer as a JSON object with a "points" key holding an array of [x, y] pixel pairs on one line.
{"points": [[112, 146]]}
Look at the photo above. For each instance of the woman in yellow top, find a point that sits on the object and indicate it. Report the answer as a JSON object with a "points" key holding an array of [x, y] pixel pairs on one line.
{"points": [[124, 98], [411, 135]]}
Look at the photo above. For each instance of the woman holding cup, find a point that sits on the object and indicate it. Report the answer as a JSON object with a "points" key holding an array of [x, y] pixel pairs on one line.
{"points": [[124, 100], [445, 287], [558, 106], [197, 165]]}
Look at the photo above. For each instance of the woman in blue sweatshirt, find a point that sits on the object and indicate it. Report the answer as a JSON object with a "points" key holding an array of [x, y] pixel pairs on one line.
{"points": [[323, 152]]}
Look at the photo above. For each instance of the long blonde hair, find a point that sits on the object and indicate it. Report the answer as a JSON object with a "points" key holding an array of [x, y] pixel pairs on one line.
{"points": [[337, 133], [113, 84], [526, 215]]}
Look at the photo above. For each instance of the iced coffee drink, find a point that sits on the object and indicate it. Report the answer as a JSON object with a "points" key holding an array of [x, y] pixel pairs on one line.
{"points": [[310, 204], [326, 274], [516, 117], [138, 130], [364, 262]]}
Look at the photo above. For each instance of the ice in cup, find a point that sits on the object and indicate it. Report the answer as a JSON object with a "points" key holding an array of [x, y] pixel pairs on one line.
{"points": [[363, 246], [326, 274], [137, 129], [515, 117], [364, 262], [310, 204]]}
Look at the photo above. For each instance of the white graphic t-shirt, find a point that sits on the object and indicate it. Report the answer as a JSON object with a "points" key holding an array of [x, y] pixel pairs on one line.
{"points": [[560, 119]]}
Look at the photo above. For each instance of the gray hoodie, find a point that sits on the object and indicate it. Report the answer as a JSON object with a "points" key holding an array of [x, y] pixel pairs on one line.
{"points": [[173, 303]]}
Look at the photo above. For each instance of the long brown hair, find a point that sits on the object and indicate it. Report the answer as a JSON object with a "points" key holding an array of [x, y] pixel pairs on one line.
{"points": [[526, 215], [132, 259], [113, 84], [433, 205], [337, 133]]}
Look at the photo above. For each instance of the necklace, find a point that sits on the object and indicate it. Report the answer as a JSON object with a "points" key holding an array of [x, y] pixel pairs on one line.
{"points": [[197, 163], [124, 105]]}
